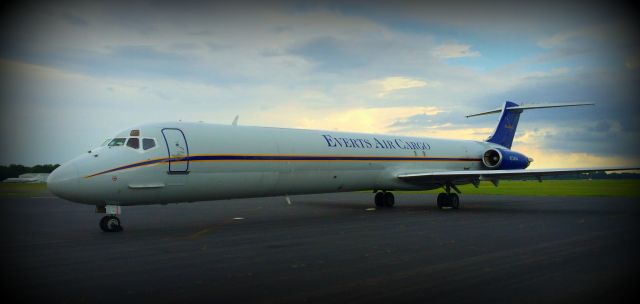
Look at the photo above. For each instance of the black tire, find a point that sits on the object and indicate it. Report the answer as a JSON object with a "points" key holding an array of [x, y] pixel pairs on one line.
{"points": [[441, 200], [389, 200], [454, 200], [111, 223], [103, 223], [379, 199]]}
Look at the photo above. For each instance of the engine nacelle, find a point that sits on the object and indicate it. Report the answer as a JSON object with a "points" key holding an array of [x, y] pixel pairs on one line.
{"points": [[503, 159]]}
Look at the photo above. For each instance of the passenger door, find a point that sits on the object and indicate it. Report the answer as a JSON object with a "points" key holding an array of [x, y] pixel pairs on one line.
{"points": [[178, 150]]}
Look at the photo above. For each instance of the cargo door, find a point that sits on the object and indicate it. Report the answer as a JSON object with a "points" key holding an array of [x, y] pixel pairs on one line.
{"points": [[178, 151]]}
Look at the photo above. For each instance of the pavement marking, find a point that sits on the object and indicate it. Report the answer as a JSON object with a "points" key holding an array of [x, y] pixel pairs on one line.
{"points": [[205, 230], [200, 233], [210, 229], [370, 209]]}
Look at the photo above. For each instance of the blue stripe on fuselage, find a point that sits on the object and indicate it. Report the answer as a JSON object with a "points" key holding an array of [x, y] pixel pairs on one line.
{"points": [[205, 158]]}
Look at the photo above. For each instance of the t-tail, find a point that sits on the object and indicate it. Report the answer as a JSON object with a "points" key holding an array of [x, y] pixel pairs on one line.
{"points": [[510, 114]]}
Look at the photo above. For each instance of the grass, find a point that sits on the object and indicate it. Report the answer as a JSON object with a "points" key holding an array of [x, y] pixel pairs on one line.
{"points": [[19, 189], [623, 188]]}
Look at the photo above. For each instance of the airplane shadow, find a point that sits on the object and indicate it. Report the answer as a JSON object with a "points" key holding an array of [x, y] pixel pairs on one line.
{"points": [[485, 207], [314, 210]]}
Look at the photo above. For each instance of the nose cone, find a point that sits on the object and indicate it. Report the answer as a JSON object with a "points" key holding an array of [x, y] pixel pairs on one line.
{"points": [[63, 181]]}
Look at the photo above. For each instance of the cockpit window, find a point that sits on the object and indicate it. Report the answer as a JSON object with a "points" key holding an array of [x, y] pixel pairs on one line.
{"points": [[105, 142], [148, 143], [134, 143], [117, 142]]}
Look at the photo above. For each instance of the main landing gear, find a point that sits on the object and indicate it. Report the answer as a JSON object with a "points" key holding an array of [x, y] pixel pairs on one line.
{"points": [[448, 199], [110, 222], [384, 199]]}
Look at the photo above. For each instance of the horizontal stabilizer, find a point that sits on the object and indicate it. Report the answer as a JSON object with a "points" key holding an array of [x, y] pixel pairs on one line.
{"points": [[508, 122], [532, 107]]}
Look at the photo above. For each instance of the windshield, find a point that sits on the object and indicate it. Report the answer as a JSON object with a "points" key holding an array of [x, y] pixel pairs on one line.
{"points": [[116, 142], [105, 142]]}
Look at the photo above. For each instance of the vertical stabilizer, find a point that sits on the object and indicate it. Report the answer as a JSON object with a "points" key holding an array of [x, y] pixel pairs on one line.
{"points": [[506, 128]]}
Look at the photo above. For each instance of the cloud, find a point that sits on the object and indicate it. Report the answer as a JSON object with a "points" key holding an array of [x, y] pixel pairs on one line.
{"points": [[594, 39], [370, 69], [330, 54], [367, 120], [390, 84], [74, 19], [593, 137], [632, 62], [443, 120], [555, 72], [454, 50]]}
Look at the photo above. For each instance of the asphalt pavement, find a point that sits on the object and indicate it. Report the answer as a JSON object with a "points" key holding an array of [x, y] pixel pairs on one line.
{"points": [[331, 248]]}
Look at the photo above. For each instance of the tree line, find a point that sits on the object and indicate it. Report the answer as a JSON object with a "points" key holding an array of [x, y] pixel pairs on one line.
{"points": [[593, 175], [15, 170]]}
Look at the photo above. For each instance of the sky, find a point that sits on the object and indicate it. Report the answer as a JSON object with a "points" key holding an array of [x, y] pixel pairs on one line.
{"points": [[74, 73]]}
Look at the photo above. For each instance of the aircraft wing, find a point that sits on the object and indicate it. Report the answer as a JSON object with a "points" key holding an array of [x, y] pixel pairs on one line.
{"points": [[475, 176]]}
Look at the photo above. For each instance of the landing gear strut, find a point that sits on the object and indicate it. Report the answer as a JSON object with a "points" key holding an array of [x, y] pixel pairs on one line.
{"points": [[448, 199], [384, 199]]}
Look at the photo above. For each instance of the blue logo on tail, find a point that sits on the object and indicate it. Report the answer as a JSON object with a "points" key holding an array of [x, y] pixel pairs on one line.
{"points": [[506, 129]]}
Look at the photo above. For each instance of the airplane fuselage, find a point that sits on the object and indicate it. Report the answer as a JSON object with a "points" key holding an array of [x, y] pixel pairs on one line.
{"points": [[197, 162]]}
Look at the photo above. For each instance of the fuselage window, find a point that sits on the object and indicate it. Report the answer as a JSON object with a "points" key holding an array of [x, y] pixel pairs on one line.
{"points": [[134, 143], [117, 142], [148, 143]]}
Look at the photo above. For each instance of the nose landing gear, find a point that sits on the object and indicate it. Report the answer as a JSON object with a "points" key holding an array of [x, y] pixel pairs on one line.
{"points": [[110, 222]]}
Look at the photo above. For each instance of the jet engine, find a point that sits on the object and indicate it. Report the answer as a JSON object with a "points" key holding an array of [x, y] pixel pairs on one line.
{"points": [[503, 159]]}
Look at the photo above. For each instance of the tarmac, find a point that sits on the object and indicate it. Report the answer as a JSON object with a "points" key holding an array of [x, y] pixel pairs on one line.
{"points": [[331, 248]]}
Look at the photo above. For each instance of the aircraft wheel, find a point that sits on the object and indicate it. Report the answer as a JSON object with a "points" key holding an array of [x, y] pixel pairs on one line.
{"points": [[454, 201], [442, 200], [389, 200], [110, 223], [379, 199], [103, 223]]}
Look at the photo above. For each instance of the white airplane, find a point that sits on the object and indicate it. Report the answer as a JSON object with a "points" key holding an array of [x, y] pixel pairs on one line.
{"points": [[175, 162]]}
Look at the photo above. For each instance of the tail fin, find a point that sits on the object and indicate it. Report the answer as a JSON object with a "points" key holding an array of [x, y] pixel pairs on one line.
{"points": [[506, 129]]}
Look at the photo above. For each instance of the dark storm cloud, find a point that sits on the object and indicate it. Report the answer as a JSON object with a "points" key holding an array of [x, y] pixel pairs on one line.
{"points": [[597, 138], [74, 19], [330, 54]]}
